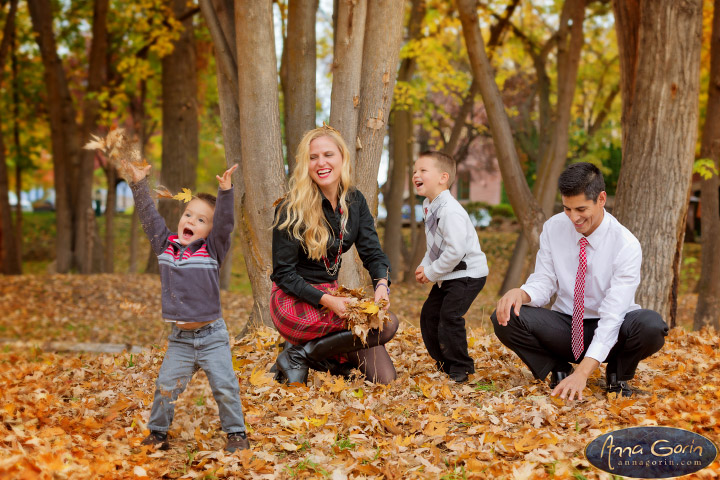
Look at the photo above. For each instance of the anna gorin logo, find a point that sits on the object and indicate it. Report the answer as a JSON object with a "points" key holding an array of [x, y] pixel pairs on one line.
{"points": [[651, 452]]}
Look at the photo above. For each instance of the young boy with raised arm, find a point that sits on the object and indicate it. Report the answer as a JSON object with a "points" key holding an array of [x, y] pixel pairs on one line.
{"points": [[189, 263]]}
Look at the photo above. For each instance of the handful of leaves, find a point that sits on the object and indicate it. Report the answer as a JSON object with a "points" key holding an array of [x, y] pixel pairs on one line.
{"points": [[122, 151], [119, 149], [364, 313]]}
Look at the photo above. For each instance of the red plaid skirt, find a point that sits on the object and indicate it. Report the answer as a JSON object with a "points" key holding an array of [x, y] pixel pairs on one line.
{"points": [[297, 321]]}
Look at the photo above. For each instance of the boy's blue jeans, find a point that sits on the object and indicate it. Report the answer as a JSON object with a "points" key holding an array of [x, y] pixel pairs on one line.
{"points": [[189, 350]]}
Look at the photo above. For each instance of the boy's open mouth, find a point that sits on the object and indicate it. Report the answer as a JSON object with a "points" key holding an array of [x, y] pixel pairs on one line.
{"points": [[418, 184], [187, 233]]}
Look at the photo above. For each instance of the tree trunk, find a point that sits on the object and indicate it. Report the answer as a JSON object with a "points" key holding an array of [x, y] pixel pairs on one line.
{"points": [[659, 44], [110, 207], [401, 134], [347, 69], [260, 145], [381, 48], [20, 161], [299, 83], [526, 208], [179, 122], [83, 183], [570, 42], [9, 250], [707, 312], [63, 130]]}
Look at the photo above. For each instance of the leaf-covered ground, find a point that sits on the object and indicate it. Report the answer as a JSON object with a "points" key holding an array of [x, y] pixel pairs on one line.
{"points": [[82, 416]]}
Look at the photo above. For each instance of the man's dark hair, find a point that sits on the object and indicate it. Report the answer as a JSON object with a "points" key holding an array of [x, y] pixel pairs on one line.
{"points": [[207, 198], [579, 178]]}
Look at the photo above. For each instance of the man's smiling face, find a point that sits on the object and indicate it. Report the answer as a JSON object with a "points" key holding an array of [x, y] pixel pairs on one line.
{"points": [[585, 214]]}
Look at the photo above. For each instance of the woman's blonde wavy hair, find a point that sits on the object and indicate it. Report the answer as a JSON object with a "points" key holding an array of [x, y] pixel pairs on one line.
{"points": [[305, 219]]}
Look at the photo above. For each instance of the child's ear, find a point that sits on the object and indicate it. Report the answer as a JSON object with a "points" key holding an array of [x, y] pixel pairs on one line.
{"points": [[444, 178]]}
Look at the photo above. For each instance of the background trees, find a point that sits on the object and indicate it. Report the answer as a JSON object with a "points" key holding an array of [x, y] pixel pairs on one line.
{"points": [[524, 86]]}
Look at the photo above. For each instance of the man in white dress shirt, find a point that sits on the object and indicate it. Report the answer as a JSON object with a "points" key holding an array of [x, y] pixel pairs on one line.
{"points": [[592, 263]]}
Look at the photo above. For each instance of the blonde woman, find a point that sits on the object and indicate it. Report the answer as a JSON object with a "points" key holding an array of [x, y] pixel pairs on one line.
{"points": [[321, 217]]}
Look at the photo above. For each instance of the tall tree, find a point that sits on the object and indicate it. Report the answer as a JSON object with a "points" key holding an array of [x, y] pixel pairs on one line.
{"points": [[381, 48], [260, 142], [707, 312], [298, 79], [402, 151], [526, 208], [71, 167], [248, 26], [64, 131], [554, 126], [97, 78], [659, 44], [180, 142], [9, 249], [347, 68]]}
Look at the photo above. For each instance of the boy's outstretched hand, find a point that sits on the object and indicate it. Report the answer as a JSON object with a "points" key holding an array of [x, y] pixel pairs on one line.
{"points": [[226, 181], [137, 173]]}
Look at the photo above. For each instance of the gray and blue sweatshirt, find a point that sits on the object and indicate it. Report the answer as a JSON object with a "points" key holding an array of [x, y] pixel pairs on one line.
{"points": [[190, 275]]}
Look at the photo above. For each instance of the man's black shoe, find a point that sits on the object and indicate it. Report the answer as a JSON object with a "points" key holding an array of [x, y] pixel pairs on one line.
{"points": [[556, 377], [459, 377], [620, 387], [159, 439]]}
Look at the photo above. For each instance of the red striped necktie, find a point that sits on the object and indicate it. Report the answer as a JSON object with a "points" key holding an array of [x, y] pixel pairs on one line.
{"points": [[578, 344]]}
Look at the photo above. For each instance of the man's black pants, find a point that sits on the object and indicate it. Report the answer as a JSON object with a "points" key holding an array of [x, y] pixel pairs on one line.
{"points": [[442, 324], [542, 340]]}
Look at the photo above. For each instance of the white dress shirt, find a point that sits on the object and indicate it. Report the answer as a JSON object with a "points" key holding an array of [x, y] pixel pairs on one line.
{"points": [[613, 275]]}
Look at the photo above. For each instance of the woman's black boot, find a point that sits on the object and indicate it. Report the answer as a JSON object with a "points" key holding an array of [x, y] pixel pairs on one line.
{"points": [[292, 363], [295, 360]]}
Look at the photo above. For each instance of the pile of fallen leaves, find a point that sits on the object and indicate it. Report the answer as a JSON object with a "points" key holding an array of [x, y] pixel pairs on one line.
{"points": [[81, 416], [364, 314]]}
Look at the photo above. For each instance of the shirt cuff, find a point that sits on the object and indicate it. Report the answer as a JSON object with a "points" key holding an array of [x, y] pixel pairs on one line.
{"points": [[430, 274], [533, 294], [312, 295], [598, 351]]}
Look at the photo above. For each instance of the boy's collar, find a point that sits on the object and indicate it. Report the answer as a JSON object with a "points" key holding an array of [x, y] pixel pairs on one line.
{"points": [[194, 245]]}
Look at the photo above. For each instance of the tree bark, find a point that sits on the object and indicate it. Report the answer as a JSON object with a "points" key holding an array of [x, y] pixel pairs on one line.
{"points": [[381, 48], [299, 83], [97, 77], [569, 39], [347, 69], [526, 208], [110, 207], [260, 145], [180, 130], [401, 134], [659, 44], [9, 250], [707, 312], [64, 130]]}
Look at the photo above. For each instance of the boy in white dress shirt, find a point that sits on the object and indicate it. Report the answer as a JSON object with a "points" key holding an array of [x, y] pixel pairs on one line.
{"points": [[592, 263]]}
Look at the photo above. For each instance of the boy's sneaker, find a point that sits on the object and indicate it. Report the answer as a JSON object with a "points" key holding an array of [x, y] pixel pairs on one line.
{"points": [[237, 441], [159, 439]]}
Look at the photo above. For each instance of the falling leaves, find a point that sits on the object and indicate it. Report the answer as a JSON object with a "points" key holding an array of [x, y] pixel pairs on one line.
{"points": [[184, 196], [163, 192], [119, 149]]}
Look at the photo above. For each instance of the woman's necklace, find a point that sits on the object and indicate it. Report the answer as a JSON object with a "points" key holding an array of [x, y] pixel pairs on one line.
{"points": [[332, 270]]}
